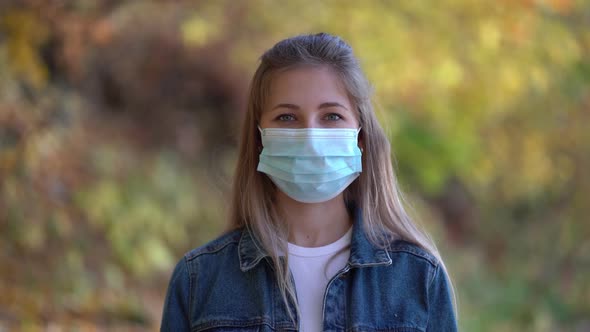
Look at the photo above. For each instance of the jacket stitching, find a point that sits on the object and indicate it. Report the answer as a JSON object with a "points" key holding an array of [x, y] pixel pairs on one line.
{"points": [[426, 257], [210, 249]]}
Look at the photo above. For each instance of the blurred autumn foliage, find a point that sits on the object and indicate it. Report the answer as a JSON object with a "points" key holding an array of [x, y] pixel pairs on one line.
{"points": [[119, 121]]}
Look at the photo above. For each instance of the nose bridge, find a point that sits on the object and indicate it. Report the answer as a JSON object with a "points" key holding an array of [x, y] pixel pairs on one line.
{"points": [[310, 119]]}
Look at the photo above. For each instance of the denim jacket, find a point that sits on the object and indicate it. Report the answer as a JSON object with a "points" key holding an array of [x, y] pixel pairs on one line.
{"points": [[229, 285]]}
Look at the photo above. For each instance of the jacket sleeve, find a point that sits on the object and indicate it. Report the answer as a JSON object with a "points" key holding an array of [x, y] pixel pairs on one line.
{"points": [[441, 313], [175, 315]]}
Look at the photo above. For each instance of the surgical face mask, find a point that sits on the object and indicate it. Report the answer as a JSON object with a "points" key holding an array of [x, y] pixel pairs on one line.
{"points": [[310, 165]]}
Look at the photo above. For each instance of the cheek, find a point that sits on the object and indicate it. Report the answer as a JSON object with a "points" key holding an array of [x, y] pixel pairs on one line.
{"points": [[265, 120], [351, 121]]}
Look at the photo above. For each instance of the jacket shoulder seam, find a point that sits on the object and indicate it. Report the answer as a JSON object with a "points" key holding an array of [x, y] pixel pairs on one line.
{"points": [[406, 247], [214, 246]]}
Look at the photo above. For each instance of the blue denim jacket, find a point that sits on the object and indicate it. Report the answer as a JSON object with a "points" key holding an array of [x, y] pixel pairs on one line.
{"points": [[229, 285]]}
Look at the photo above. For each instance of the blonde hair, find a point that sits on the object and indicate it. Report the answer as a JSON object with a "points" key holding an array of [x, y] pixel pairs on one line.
{"points": [[375, 192]]}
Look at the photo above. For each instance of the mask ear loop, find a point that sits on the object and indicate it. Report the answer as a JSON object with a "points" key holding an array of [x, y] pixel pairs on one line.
{"points": [[261, 133]]}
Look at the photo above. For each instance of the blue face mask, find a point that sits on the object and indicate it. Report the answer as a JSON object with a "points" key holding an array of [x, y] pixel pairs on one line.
{"points": [[310, 165]]}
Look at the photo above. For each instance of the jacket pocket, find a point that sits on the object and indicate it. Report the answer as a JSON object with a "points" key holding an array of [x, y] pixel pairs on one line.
{"points": [[259, 325]]}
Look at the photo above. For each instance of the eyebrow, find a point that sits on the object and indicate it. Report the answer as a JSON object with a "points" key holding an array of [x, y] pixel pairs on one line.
{"points": [[322, 105], [332, 104]]}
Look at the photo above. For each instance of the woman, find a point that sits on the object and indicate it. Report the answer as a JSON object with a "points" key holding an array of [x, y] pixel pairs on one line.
{"points": [[320, 240]]}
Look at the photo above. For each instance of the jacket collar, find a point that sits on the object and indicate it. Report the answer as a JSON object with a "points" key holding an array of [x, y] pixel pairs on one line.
{"points": [[362, 252], [249, 250]]}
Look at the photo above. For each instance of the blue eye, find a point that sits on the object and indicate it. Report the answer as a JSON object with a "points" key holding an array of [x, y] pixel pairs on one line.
{"points": [[285, 117], [333, 117]]}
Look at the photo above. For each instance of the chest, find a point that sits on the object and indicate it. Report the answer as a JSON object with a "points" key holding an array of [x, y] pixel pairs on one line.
{"points": [[355, 299]]}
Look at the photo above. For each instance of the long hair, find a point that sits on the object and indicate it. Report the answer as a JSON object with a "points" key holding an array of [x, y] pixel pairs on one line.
{"points": [[375, 192]]}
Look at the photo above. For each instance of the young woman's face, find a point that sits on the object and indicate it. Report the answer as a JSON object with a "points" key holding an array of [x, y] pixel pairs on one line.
{"points": [[308, 97]]}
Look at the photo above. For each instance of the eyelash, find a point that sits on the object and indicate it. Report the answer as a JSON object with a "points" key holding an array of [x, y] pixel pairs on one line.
{"points": [[334, 114], [281, 117]]}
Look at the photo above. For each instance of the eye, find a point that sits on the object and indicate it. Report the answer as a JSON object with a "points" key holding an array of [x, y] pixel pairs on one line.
{"points": [[333, 117], [285, 117]]}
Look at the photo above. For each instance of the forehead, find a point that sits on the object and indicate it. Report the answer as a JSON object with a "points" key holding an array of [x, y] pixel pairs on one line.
{"points": [[307, 84]]}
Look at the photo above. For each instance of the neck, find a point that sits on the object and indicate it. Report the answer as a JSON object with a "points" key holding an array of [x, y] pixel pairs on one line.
{"points": [[314, 224]]}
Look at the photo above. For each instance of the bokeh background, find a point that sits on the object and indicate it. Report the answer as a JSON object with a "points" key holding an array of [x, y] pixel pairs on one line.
{"points": [[119, 123]]}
